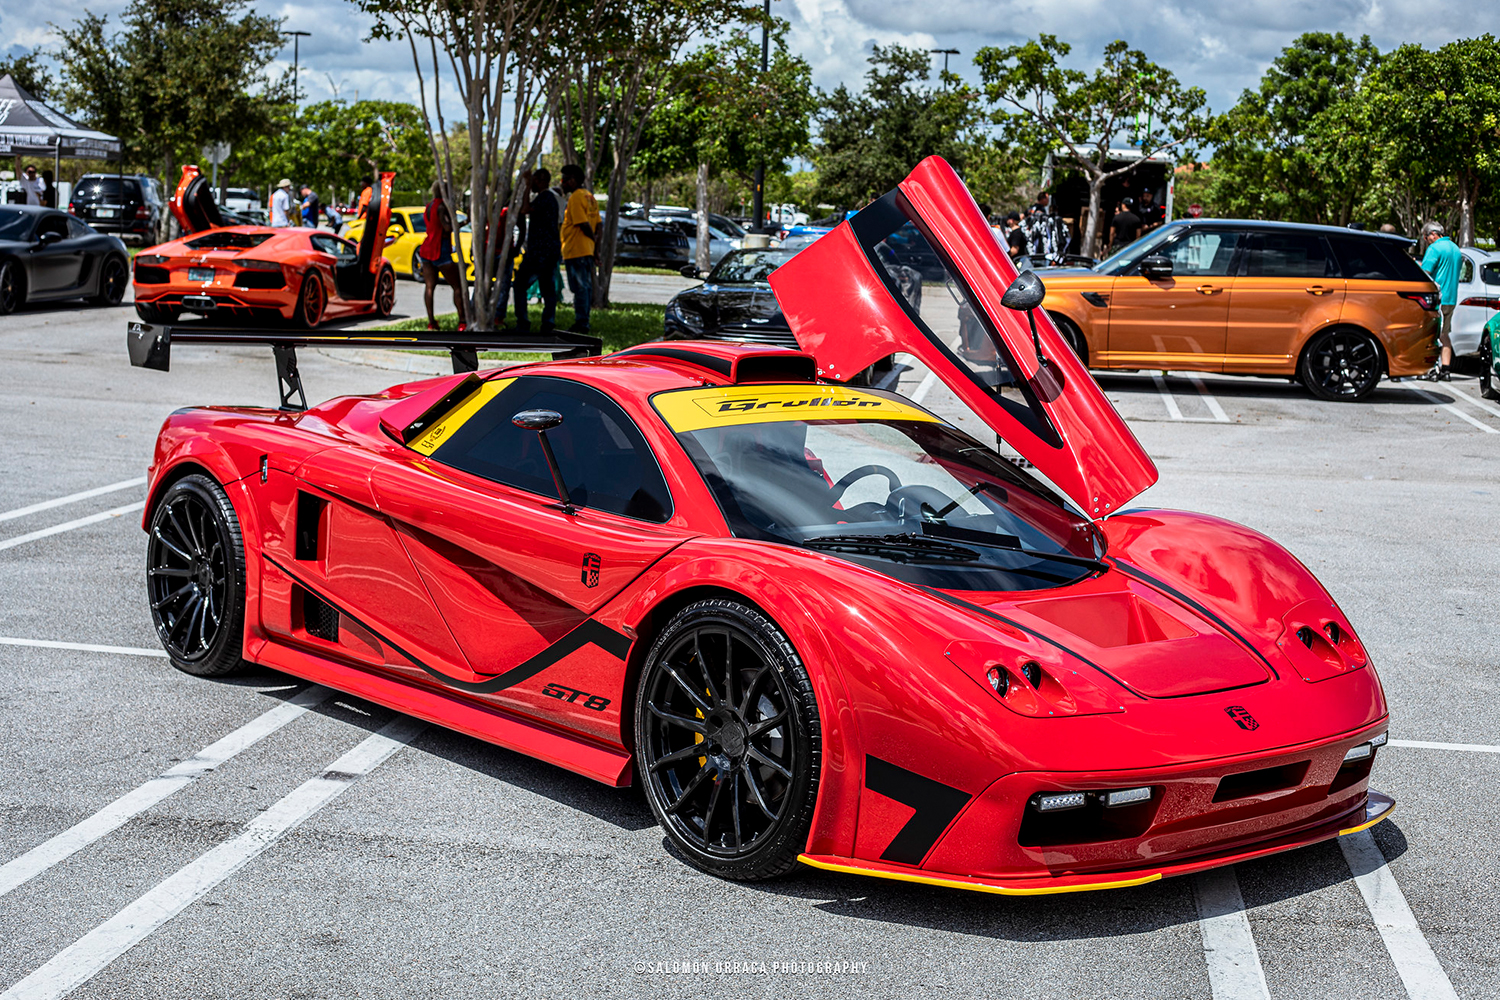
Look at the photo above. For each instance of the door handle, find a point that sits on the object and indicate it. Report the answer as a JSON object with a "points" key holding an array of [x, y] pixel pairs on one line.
{"points": [[1209, 289], [1319, 289]]}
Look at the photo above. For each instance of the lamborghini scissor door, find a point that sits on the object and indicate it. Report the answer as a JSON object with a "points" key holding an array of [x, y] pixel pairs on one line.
{"points": [[920, 272]]}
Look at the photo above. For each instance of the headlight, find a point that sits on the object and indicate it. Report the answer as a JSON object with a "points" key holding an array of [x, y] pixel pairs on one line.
{"points": [[691, 320]]}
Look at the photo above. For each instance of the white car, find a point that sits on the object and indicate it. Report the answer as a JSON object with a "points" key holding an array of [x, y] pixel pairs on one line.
{"points": [[1478, 298]]}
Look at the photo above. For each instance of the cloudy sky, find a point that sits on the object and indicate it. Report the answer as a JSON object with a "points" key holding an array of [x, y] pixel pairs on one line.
{"points": [[1221, 47]]}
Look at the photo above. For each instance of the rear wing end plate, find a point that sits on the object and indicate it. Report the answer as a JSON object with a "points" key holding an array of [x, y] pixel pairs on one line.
{"points": [[151, 347]]}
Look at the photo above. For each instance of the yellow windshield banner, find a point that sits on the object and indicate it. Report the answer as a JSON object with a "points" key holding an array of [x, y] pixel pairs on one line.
{"points": [[731, 405], [443, 429]]}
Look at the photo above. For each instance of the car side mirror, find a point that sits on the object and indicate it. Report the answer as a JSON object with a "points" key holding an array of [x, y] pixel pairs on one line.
{"points": [[394, 231], [691, 271], [48, 238], [543, 421], [1156, 267], [1025, 294]]}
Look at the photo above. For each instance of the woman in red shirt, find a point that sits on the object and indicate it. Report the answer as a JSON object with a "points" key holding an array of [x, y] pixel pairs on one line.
{"points": [[436, 253]]}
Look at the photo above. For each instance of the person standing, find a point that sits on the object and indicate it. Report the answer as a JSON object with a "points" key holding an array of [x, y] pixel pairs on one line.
{"points": [[33, 187], [311, 208], [436, 254], [364, 200], [1152, 214], [1015, 241], [1442, 259], [580, 231], [543, 219], [281, 204], [1126, 224]]}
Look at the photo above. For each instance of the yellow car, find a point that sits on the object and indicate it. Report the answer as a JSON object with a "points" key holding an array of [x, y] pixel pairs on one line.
{"points": [[404, 237]]}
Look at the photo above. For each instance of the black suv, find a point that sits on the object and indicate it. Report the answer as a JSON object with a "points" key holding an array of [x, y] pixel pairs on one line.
{"points": [[129, 206]]}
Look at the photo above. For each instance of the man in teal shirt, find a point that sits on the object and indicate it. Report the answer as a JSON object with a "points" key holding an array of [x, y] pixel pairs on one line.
{"points": [[1442, 260]]}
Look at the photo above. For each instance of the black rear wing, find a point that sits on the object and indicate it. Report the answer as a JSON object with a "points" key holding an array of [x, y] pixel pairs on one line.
{"points": [[151, 347]]}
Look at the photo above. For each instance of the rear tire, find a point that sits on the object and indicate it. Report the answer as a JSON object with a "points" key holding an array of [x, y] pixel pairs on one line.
{"points": [[195, 577], [1486, 367], [309, 312], [1072, 335], [721, 677], [12, 287], [416, 267], [113, 277], [385, 292], [1341, 365]]}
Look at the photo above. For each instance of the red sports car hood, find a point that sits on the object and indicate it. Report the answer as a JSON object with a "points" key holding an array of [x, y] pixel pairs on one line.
{"points": [[843, 298]]}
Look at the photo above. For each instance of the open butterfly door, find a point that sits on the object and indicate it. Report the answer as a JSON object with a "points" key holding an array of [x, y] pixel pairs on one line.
{"points": [[920, 272], [193, 202]]}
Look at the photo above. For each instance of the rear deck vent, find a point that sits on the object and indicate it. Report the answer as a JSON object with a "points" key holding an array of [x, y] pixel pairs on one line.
{"points": [[320, 618], [309, 525], [1267, 779]]}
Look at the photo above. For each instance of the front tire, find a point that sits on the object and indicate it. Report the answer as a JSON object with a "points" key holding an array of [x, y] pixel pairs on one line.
{"points": [[195, 577], [12, 287], [1486, 367], [727, 741], [1341, 365], [113, 277]]}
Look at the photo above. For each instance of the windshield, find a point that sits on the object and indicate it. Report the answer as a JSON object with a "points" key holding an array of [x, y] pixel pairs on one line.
{"points": [[15, 225], [746, 267], [1119, 261], [877, 480]]}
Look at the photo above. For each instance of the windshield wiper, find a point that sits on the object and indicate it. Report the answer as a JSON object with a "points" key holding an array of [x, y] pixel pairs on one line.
{"points": [[908, 547], [1008, 542]]}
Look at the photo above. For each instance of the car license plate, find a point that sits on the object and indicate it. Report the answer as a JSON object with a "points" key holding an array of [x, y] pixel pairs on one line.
{"points": [[200, 274]]}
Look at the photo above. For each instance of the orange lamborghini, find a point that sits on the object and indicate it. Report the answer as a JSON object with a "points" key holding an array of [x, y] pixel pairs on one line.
{"points": [[301, 276]]}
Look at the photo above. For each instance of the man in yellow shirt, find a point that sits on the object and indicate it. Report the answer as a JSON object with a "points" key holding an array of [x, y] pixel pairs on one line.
{"points": [[580, 227]]}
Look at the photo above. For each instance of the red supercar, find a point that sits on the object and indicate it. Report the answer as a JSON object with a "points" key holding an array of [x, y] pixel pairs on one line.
{"points": [[818, 622]]}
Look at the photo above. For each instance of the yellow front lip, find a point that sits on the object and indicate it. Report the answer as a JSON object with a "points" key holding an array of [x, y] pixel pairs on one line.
{"points": [[976, 886]]}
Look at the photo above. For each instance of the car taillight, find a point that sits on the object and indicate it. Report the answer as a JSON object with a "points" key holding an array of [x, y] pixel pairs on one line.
{"points": [[150, 258], [72, 208], [1427, 300], [259, 265], [1482, 301], [141, 212]]}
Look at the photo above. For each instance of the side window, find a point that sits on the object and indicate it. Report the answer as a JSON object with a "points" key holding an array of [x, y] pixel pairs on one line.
{"points": [[1203, 253], [1490, 274], [605, 461], [416, 222], [77, 229], [1377, 260], [1466, 271], [53, 224], [335, 246], [1289, 255]]}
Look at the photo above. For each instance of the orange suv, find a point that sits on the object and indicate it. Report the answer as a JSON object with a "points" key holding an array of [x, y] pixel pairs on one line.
{"points": [[1334, 308]]}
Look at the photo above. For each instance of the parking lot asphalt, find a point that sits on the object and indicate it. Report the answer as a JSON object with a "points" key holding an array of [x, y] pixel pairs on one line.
{"points": [[445, 867]]}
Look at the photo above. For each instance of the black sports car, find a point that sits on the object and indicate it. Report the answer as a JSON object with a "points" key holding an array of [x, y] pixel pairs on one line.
{"points": [[46, 254], [734, 303]]}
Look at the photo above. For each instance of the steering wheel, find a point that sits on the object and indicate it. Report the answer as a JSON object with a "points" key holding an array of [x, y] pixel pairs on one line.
{"points": [[853, 476], [918, 503]]}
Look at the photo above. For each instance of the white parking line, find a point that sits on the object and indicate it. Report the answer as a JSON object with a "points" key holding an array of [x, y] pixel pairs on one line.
{"points": [[1420, 971], [1460, 414], [1234, 971], [133, 803], [73, 498], [1167, 397], [1426, 745], [90, 954], [1208, 400], [1486, 407], [58, 529], [83, 647]]}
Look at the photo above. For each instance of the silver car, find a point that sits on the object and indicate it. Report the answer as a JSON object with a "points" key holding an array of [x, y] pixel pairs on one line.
{"points": [[1478, 298]]}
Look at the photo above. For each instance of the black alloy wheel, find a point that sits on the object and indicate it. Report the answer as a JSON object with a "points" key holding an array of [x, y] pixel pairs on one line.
{"points": [[727, 741], [113, 277], [1341, 365], [385, 292], [195, 577], [1486, 367], [310, 302], [12, 287]]}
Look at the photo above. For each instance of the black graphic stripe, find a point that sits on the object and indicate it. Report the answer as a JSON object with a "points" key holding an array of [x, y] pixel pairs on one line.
{"points": [[587, 632], [1167, 588], [936, 806]]}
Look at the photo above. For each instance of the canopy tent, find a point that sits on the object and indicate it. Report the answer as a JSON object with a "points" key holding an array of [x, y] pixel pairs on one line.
{"points": [[29, 127]]}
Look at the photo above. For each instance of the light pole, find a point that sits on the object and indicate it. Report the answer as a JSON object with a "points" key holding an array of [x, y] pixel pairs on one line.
{"points": [[297, 36], [945, 53], [759, 200]]}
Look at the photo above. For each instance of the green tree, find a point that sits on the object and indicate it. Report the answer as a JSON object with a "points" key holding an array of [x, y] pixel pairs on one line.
{"points": [[1045, 107], [1441, 110], [334, 145], [30, 72], [869, 141], [183, 73], [1297, 148]]}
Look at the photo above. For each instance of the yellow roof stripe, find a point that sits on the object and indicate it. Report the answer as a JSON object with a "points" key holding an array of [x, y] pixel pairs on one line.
{"points": [[445, 428], [732, 405]]}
